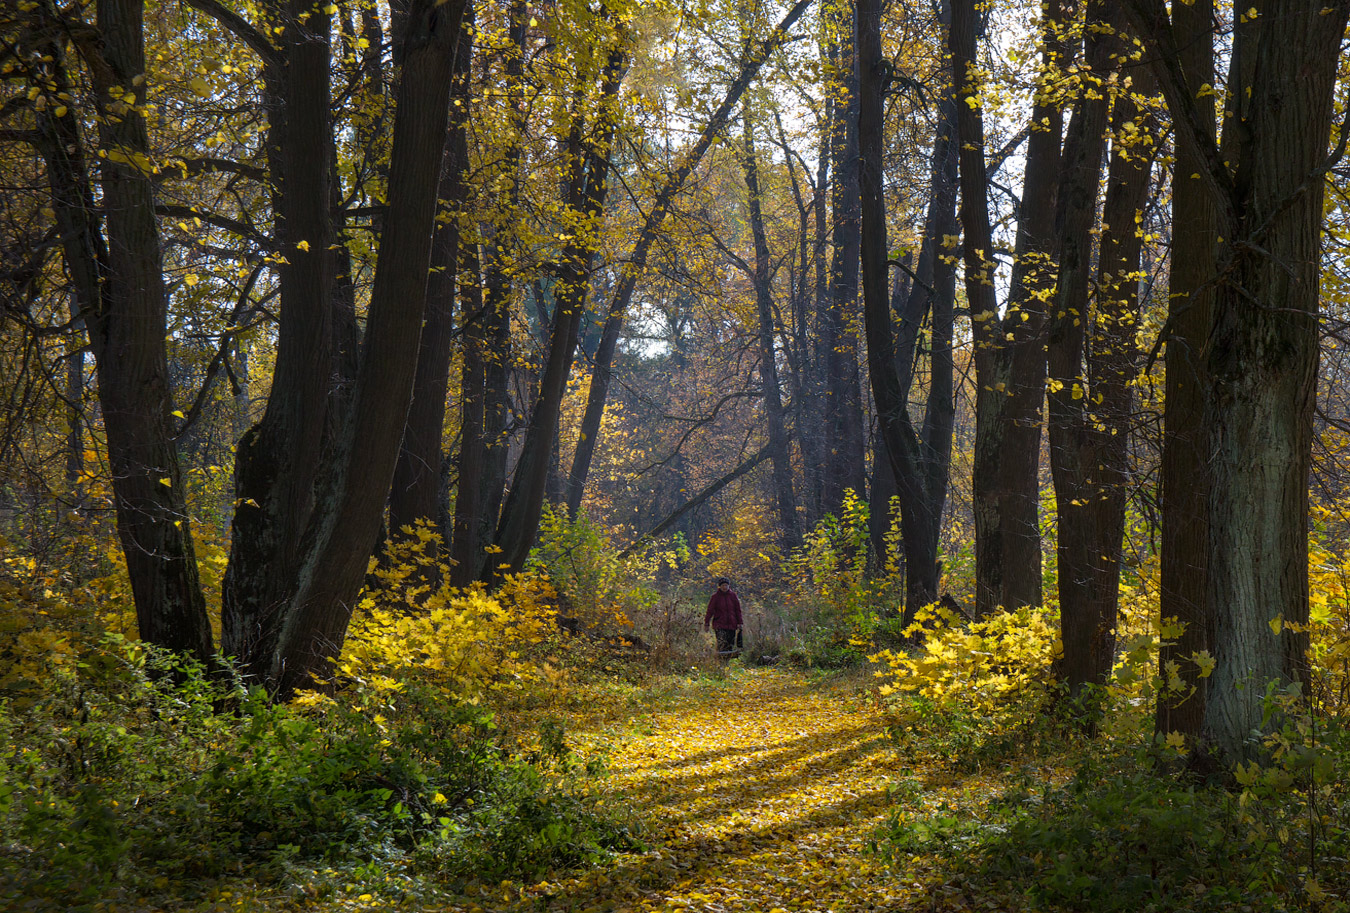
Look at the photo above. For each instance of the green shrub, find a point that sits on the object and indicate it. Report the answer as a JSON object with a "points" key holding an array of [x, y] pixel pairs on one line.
{"points": [[1118, 837], [133, 771]]}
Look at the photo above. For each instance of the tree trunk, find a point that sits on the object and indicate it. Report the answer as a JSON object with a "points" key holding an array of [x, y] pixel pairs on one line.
{"points": [[1185, 467], [1266, 184], [623, 293], [785, 501], [467, 535], [118, 277], [277, 461], [496, 351], [1262, 364], [1010, 367], [588, 187], [845, 448], [75, 401], [811, 424], [925, 460], [1007, 547], [1088, 566], [417, 477], [355, 485]]}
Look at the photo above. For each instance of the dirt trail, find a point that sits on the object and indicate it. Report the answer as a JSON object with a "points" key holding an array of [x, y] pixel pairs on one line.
{"points": [[761, 797]]}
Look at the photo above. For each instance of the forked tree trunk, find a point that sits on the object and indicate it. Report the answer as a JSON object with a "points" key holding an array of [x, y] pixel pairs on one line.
{"points": [[1009, 350], [926, 458], [1266, 185], [350, 502], [277, 461], [1092, 354]]}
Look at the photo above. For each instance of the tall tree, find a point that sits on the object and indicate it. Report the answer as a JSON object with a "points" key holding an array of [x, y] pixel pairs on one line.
{"points": [[925, 461], [117, 270], [1092, 352], [588, 185], [1009, 349], [277, 461], [1188, 621], [1266, 185], [784, 499], [289, 596], [839, 330], [485, 390], [417, 478]]}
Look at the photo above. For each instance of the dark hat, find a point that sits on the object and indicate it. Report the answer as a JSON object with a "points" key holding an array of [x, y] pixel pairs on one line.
{"points": [[722, 580]]}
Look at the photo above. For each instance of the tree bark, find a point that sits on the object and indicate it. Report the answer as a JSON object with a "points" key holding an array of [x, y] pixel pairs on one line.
{"points": [[468, 535], [917, 460], [117, 270], [277, 461], [417, 477], [846, 448], [637, 262], [784, 500], [1266, 185], [350, 503], [1010, 365], [926, 460], [496, 351], [588, 187], [1089, 496], [1185, 467]]}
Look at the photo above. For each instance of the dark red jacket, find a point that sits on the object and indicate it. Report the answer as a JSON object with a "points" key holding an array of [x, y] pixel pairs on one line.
{"points": [[724, 611]]}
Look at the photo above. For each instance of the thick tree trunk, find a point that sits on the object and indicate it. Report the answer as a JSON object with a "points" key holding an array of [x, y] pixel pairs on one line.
{"points": [[588, 187], [277, 462], [417, 477], [1266, 185], [1263, 355], [623, 293], [845, 445], [120, 287], [1185, 467], [350, 503], [780, 456]]}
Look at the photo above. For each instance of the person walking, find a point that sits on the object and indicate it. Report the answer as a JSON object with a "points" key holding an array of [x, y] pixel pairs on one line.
{"points": [[724, 617]]}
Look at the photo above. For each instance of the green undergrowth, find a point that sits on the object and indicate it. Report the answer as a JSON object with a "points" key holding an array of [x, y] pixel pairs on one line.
{"points": [[130, 778], [1115, 835], [1025, 800]]}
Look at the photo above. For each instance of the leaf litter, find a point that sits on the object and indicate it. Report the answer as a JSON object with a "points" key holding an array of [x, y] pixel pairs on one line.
{"points": [[762, 796]]}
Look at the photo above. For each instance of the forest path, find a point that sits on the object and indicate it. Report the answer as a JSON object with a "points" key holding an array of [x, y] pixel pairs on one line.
{"points": [[759, 796]]}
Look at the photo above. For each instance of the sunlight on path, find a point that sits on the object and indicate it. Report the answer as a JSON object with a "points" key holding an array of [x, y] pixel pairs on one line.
{"points": [[758, 798]]}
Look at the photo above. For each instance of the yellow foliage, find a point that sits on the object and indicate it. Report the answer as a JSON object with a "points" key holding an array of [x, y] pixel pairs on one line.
{"points": [[975, 667], [464, 640]]}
